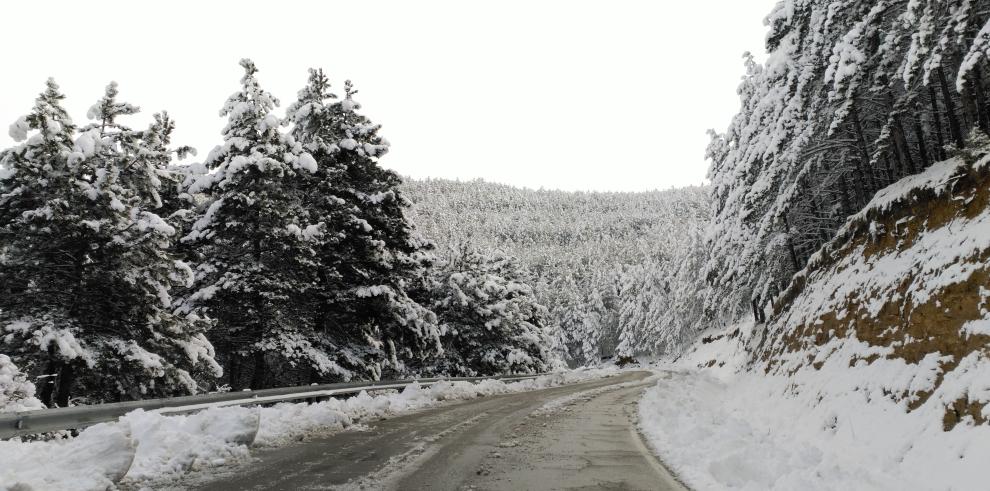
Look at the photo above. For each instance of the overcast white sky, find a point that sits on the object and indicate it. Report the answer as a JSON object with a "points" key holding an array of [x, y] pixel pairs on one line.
{"points": [[576, 95]]}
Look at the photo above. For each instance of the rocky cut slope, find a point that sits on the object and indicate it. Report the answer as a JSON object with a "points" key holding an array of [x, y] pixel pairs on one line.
{"points": [[898, 302]]}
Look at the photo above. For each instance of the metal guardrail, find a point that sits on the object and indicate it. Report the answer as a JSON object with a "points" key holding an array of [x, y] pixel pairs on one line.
{"points": [[78, 417]]}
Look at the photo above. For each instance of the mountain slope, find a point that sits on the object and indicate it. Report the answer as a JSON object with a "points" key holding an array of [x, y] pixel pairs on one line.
{"points": [[596, 260]]}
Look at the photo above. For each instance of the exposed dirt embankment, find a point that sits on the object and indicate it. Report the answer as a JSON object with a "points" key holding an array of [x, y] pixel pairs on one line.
{"points": [[903, 289]]}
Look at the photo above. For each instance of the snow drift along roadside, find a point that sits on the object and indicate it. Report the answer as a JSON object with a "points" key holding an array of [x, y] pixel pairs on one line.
{"points": [[145, 448], [721, 430]]}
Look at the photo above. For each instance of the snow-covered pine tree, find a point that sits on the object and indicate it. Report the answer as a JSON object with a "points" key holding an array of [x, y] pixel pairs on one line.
{"points": [[371, 263], [599, 322], [492, 321], [570, 315], [636, 304], [173, 179], [85, 267], [604, 299], [38, 266], [254, 235], [160, 350], [682, 317]]}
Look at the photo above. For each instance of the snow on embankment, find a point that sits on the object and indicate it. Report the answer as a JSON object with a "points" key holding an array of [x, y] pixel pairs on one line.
{"points": [[874, 371], [900, 298], [149, 448]]}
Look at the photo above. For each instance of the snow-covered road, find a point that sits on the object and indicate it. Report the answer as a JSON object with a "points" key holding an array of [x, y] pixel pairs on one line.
{"points": [[579, 436]]}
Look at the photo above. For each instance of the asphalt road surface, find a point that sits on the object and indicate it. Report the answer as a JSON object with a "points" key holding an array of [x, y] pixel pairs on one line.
{"points": [[579, 436]]}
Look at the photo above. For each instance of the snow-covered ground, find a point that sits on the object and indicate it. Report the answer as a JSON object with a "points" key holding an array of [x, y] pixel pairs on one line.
{"points": [[719, 428], [145, 448]]}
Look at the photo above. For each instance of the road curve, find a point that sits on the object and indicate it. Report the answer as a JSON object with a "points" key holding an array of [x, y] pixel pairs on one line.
{"points": [[579, 436]]}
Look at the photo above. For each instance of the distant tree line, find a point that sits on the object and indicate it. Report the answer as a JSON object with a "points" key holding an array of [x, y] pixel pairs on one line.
{"points": [[284, 258], [618, 272]]}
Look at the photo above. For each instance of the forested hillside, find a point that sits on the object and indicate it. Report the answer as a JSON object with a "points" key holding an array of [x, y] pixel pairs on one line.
{"points": [[848, 201], [616, 271], [854, 95], [284, 258]]}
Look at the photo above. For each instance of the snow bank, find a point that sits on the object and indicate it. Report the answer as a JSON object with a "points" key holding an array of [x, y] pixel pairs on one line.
{"points": [[99, 457], [174, 445], [287, 422], [874, 372], [149, 448], [720, 353], [754, 431], [141, 445], [719, 422]]}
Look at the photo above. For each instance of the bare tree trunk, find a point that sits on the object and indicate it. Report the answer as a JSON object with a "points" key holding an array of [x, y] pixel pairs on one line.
{"points": [[259, 372], [940, 151], [981, 102], [260, 369], [790, 245], [234, 373], [47, 395], [847, 207], [865, 185], [922, 148], [891, 177], [901, 146], [950, 110], [66, 377], [322, 318], [900, 138], [866, 182]]}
